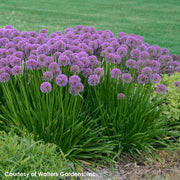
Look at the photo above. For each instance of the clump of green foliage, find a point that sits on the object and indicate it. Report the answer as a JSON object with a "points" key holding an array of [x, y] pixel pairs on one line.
{"points": [[171, 102], [23, 154]]}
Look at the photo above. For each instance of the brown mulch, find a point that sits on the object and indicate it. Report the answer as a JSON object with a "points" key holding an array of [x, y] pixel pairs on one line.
{"points": [[128, 169]]}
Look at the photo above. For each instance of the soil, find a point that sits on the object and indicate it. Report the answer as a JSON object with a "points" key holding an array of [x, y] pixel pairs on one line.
{"points": [[128, 169]]}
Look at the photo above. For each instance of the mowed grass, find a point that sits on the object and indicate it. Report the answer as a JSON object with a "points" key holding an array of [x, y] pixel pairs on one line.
{"points": [[157, 20]]}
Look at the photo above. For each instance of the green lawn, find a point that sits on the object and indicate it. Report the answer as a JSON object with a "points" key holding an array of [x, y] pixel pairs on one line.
{"points": [[157, 20]]}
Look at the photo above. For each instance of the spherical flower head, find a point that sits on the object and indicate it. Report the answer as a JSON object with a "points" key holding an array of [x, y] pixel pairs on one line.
{"points": [[165, 51], [143, 55], [122, 51], [4, 77], [61, 80], [25, 34], [93, 80], [121, 34], [109, 49], [117, 59], [165, 59], [15, 61], [16, 70], [33, 34], [116, 73], [121, 96], [161, 89], [46, 87], [74, 90], [110, 58], [93, 45], [75, 69], [155, 78], [126, 78], [152, 50], [131, 41], [140, 63], [43, 49], [130, 63], [78, 29], [3, 63], [89, 50], [87, 72], [105, 36], [146, 71], [155, 65], [99, 71], [177, 84], [49, 61], [53, 67], [85, 61], [56, 55], [142, 79], [43, 31], [135, 53], [114, 44], [63, 60], [74, 80], [31, 64], [47, 76], [42, 59], [3, 41]]}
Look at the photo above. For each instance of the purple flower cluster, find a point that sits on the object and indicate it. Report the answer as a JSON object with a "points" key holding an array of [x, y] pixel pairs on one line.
{"points": [[81, 52]]}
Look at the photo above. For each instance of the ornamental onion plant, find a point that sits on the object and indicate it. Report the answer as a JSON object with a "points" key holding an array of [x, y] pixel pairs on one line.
{"points": [[86, 91]]}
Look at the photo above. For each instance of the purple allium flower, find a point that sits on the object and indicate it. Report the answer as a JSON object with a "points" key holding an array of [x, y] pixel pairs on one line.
{"points": [[122, 51], [142, 79], [16, 70], [25, 34], [165, 59], [15, 61], [109, 49], [117, 59], [31, 64], [53, 67], [3, 63], [63, 60], [121, 34], [105, 45], [89, 51], [152, 50], [116, 73], [78, 29], [47, 76], [43, 49], [126, 78], [42, 59], [10, 45], [114, 44], [155, 65], [3, 41], [61, 80], [143, 55], [93, 45], [85, 61], [135, 53], [5, 69], [46, 87], [161, 89], [165, 51], [130, 63], [122, 40], [131, 41], [147, 63], [43, 31], [121, 96], [93, 80], [155, 78], [33, 34], [99, 71], [146, 71], [19, 54], [75, 69], [74, 80], [3, 53], [74, 90], [56, 55], [87, 72], [109, 58], [177, 84], [140, 63], [4, 77]]}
